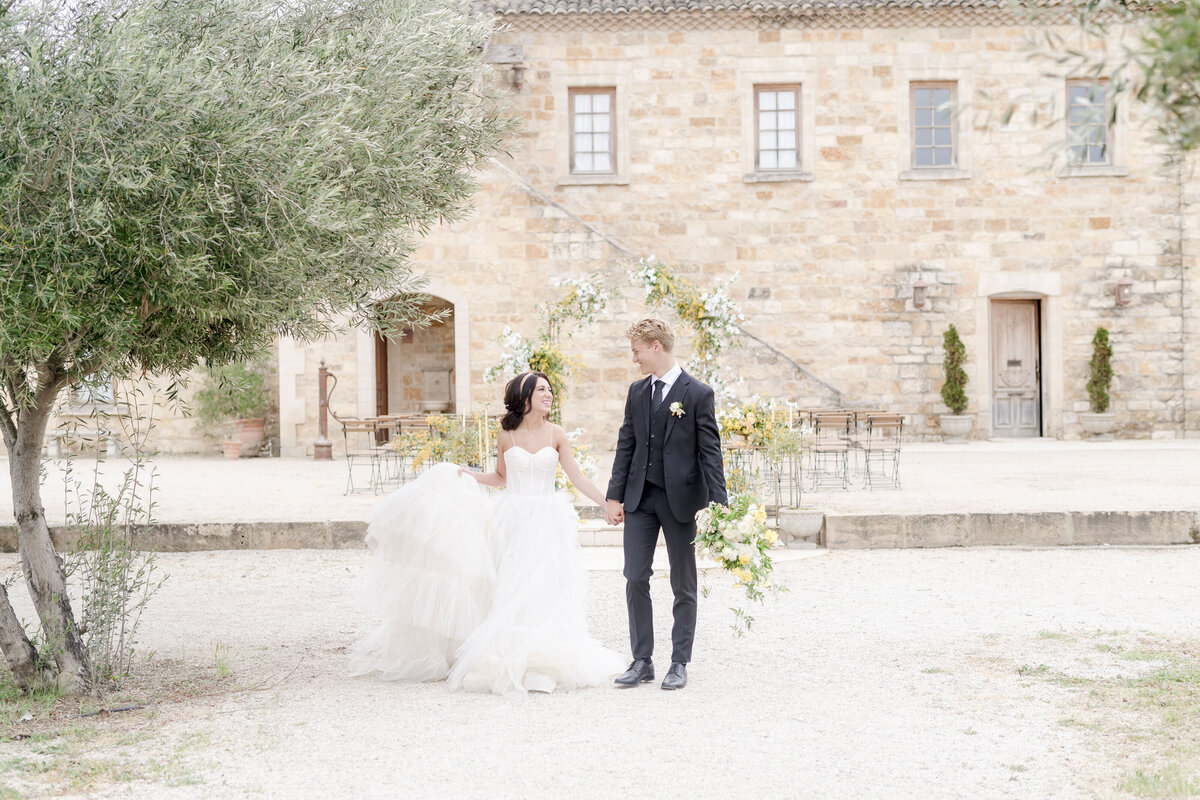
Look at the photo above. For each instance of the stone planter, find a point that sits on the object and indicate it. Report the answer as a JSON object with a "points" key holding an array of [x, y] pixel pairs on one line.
{"points": [[955, 427], [232, 448], [1099, 426], [800, 525], [250, 433]]}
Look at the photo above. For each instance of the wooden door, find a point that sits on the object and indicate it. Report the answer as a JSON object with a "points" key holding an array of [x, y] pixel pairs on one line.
{"points": [[381, 383], [1016, 369]]}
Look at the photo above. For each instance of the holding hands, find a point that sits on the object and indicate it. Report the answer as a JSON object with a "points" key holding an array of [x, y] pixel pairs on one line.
{"points": [[614, 514]]}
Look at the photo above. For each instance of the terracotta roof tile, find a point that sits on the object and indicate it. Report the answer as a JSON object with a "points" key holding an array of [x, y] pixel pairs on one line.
{"points": [[616, 7]]}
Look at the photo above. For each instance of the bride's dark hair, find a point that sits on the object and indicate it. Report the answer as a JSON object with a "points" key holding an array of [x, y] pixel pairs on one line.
{"points": [[517, 394]]}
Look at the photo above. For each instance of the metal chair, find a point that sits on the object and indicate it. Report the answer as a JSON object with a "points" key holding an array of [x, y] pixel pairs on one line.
{"points": [[405, 425], [362, 448], [882, 449], [831, 448]]}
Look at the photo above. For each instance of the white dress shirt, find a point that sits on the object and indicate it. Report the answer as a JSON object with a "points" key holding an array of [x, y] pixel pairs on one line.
{"points": [[668, 380]]}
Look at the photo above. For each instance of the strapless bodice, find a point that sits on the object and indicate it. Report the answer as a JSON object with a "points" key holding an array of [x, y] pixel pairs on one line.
{"points": [[530, 474]]}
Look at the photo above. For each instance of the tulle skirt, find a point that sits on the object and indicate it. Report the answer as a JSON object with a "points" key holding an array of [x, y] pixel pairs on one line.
{"points": [[430, 579], [535, 635], [485, 590]]}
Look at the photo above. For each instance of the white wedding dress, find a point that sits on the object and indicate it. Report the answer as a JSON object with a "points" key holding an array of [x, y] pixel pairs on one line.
{"points": [[486, 591]]}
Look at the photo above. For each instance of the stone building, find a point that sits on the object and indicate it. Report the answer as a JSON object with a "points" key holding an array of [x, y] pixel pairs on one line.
{"points": [[846, 163], [851, 164]]}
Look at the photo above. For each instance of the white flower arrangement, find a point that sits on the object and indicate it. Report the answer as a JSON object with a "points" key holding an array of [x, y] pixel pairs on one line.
{"points": [[712, 315], [677, 409], [587, 299], [738, 539], [514, 359]]}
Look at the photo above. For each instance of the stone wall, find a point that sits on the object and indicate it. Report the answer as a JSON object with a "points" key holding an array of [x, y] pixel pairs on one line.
{"points": [[826, 261], [158, 412]]}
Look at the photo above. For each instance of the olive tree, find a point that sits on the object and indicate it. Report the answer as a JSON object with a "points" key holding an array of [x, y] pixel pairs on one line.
{"points": [[1152, 56], [186, 180]]}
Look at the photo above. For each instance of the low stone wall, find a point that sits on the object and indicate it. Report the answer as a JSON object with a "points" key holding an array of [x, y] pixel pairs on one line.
{"points": [[868, 531], [1036, 529]]}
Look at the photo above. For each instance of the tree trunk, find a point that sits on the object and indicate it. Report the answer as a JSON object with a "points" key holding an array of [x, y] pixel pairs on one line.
{"points": [[39, 561], [19, 652]]}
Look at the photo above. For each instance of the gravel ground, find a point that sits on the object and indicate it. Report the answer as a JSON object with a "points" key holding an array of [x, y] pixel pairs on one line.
{"points": [[891, 674]]}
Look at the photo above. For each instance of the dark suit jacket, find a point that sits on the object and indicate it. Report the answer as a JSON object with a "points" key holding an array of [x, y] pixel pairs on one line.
{"points": [[692, 462]]}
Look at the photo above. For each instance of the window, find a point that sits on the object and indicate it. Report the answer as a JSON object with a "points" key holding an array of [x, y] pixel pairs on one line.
{"points": [[97, 391], [593, 135], [1088, 132], [934, 142], [777, 110]]}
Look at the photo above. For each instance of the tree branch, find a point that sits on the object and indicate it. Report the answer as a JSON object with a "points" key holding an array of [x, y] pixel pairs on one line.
{"points": [[8, 424], [49, 177]]}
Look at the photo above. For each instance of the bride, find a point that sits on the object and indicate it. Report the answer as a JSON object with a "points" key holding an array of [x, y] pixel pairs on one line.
{"points": [[487, 592]]}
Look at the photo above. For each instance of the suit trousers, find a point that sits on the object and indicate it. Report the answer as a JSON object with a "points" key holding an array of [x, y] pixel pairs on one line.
{"points": [[641, 535]]}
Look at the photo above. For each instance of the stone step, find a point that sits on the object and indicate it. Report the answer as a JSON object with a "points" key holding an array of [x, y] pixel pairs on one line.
{"points": [[841, 531]]}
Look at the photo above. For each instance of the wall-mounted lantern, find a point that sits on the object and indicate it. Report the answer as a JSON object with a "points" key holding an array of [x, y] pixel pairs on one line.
{"points": [[1124, 291], [920, 289]]}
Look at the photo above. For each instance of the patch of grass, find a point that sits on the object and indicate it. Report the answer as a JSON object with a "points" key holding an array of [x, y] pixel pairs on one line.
{"points": [[221, 659], [15, 703], [1062, 679], [1145, 721], [68, 748], [1167, 782], [1098, 632], [935, 671], [1076, 722], [1054, 635]]}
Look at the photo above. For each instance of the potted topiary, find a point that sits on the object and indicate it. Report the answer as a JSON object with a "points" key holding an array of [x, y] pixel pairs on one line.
{"points": [[1100, 422], [232, 400], [957, 424]]}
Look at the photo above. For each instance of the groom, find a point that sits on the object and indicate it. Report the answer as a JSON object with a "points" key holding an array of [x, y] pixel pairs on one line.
{"points": [[668, 467]]}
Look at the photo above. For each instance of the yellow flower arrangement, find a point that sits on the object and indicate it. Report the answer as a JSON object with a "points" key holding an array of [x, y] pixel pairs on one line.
{"points": [[737, 538], [464, 440]]}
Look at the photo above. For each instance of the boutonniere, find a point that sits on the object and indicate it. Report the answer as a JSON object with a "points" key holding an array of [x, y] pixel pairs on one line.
{"points": [[677, 409]]}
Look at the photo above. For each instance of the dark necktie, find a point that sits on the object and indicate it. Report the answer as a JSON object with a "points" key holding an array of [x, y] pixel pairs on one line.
{"points": [[656, 400]]}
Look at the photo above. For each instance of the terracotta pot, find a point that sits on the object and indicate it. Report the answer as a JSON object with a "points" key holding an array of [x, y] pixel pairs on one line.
{"points": [[955, 427], [232, 448], [1100, 426], [250, 434]]}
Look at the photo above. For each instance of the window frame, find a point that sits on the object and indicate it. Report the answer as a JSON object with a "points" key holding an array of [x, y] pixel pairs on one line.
{"points": [[97, 392], [572, 93], [1108, 124], [913, 87], [797, 93]]}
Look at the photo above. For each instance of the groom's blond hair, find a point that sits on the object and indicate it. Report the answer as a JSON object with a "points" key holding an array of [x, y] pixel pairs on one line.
{"points": [[652, 329]]}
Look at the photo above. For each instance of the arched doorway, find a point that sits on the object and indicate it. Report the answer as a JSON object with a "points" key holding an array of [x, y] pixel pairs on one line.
{"points": [[415, 368]]}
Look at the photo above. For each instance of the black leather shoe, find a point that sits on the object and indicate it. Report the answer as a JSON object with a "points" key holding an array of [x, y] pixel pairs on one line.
{"points": [[676, 676], [640, 671]]}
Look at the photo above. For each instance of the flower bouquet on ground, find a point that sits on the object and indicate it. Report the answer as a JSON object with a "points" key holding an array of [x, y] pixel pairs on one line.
{"points": [[738, 539]]}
